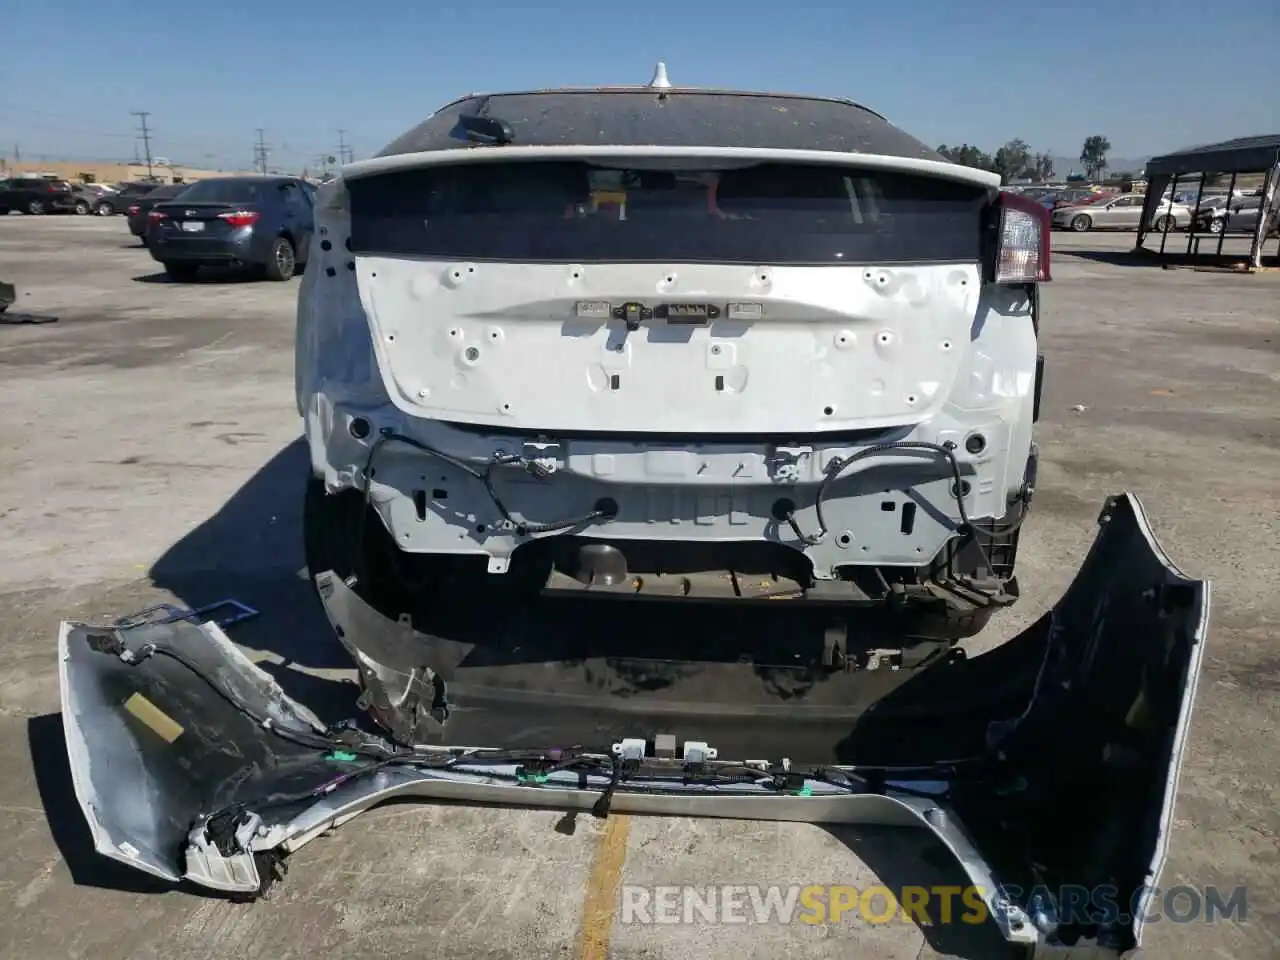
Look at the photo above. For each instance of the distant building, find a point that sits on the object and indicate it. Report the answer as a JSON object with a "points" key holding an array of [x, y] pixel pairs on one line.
{"points": [[99, 172]]}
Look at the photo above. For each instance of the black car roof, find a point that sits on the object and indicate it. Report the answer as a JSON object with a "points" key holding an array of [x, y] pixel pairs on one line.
{"points": [[674, 116]]}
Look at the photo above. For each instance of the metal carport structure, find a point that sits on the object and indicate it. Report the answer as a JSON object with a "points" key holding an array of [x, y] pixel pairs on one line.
{"points": [[1243, 155]]}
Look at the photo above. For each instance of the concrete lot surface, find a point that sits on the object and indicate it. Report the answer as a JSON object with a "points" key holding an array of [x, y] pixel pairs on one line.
{"points": [[149, 452]]}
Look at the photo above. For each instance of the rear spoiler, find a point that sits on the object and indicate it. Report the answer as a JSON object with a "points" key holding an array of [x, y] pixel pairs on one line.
{"points": [[507, 153]]}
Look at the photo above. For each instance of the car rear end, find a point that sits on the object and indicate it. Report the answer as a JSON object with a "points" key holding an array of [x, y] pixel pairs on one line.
{"points": [[214, 222], [54, 196], [140, 207], [136, 214], [634, 364]]}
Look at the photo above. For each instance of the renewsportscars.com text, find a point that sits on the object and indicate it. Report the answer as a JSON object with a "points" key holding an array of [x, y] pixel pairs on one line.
{"points": [[819, 903]]}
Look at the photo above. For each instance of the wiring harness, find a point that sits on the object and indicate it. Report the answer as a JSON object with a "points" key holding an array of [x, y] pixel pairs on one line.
{"points": [[944, 450]]}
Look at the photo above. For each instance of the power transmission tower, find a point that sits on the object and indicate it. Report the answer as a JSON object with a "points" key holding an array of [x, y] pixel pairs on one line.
{"points": [[344, 149], [260, 153], [146, 136]]}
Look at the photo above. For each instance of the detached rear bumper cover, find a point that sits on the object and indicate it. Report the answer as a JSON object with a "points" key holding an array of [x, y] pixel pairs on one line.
{"points": [[1077, 729]]}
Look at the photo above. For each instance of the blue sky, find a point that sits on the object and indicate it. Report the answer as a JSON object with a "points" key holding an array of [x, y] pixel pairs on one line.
{"points": [[946, 71]]}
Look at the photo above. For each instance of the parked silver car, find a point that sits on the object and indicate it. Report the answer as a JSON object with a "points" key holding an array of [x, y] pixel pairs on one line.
{"points": [[1122, 212]]}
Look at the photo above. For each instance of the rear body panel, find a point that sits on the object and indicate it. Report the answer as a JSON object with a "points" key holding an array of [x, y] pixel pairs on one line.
{"points": [[834, 348], [1051, 761], [786, 330]]}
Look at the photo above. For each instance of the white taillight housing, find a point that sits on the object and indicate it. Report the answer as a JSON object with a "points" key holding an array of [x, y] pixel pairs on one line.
{"points": [[1022, 240]]}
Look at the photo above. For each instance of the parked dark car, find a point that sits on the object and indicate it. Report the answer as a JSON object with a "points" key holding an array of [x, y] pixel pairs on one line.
{"points": [[36, 195], [86, 197], [140, 206], [260, 222], [119, 201], [1241, 217]]}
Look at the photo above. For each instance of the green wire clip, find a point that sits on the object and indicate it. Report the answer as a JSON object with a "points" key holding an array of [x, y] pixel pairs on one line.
{"points": [[530, 777], [805, 791], [342, 755]]}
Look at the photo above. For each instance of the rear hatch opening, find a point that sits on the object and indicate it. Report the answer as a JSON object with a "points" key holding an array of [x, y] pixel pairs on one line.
{"points": [[789, 296]]}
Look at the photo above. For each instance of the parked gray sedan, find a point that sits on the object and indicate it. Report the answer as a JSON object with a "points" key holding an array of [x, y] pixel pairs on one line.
{"points": [[1123, 212]]}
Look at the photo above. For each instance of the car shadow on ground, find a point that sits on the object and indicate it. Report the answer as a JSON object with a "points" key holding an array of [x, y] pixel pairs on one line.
{"points": [[207, 276], [1171, 259], [251, 550], [66, 822]]}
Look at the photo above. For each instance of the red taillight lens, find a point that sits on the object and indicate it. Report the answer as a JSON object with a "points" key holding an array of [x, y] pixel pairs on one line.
{"points": [[240, 218], [133, 208], [155, 216], [1022, 241]]}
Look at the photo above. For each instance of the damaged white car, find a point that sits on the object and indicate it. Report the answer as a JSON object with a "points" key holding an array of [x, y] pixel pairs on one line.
{"points": [[680, 343], [664, 442]]}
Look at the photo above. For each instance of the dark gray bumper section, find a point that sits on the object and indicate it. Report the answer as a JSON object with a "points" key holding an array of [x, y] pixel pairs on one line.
{"points": [[1050, 762]]}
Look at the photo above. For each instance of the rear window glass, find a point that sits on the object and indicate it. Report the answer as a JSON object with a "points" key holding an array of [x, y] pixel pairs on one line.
{"points": [[227, 191], [584, 212]]}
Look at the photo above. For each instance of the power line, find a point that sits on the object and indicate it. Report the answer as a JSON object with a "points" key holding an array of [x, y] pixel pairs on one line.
{"points": [[260, 153], [146, 136]]}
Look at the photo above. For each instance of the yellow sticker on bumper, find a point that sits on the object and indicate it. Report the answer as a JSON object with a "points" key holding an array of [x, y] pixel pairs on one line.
{"points": [[153, 717]]}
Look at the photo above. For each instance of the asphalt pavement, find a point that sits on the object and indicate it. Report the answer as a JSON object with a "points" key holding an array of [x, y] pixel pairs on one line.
{"points": [[151, 452]]}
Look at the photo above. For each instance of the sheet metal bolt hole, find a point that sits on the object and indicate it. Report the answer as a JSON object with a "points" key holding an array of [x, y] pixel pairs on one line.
{"points": [[976, 444], [360, 428]]}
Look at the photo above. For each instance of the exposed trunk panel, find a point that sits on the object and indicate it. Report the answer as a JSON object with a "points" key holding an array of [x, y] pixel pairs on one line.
{"points": [[658, 295]]}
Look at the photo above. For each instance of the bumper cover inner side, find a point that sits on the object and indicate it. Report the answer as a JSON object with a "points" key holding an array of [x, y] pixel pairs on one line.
{"points": [[1051, 760]]}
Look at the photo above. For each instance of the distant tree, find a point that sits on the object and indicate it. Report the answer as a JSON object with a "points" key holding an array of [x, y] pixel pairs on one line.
{"points": [[1013, 160], [1093, 154], [1042, 167], [967, 155]]}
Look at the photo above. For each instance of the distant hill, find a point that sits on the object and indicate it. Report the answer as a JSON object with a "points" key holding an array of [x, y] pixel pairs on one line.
{"points": [[1064, 165]]}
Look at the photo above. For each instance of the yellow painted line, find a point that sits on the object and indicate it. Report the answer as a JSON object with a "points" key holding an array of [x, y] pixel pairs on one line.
{"points": [[602, 889]]}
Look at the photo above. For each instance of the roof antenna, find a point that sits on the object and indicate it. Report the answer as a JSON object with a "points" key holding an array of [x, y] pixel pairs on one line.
{"points": [[660, 77]]}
